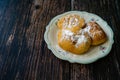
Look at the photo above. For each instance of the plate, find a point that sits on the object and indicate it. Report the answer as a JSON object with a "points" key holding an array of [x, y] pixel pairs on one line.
{"points": [[90, 56]]}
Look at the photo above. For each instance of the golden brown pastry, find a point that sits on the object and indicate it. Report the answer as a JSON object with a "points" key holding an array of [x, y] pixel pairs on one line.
{"points": [[75, 38], [96, 33], [77, 44], [64, 40], [71, 22]]}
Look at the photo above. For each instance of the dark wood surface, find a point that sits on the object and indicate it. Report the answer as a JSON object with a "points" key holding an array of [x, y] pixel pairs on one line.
{"points": [[24, 54]]}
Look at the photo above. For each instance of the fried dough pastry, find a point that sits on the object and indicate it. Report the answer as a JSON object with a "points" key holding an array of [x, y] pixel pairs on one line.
{"points": [[77, 44], [76, 37], [97, 34], [71, 22]]}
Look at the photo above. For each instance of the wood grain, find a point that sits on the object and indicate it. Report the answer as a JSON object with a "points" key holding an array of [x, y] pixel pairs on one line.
{"points": [[24, 54], [108, 67]]}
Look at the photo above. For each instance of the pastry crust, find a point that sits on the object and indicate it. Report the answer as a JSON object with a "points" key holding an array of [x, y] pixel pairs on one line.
{"points": [[97, 34], [71, 22], [77, 44], [76, 38]]}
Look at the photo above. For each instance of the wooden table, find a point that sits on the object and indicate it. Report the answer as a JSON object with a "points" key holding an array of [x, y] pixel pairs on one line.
{"points": [[24, 54]]}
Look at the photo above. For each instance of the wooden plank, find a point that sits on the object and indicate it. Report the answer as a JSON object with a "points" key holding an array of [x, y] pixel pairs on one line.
{"points": [[105, 68], [23, 52]]}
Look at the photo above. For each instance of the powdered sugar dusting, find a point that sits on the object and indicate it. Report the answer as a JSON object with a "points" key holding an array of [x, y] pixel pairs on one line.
{"points": [[96, 32], [70, 21], [66, 34], [80, 40], [85, 30], [91, 34]]}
